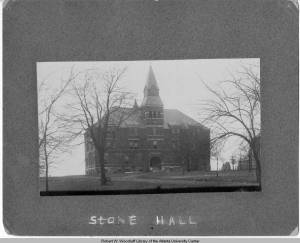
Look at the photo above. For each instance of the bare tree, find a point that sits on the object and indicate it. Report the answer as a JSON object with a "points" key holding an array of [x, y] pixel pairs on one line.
{"points": [[235, 111], [216, 147], [52, 139], [98, 104]]}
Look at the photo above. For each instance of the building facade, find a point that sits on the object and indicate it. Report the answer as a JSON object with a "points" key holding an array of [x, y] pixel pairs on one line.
{"points": [[152, 139]]}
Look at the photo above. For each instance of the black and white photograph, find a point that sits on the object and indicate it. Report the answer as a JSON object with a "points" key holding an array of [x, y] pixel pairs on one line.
{"points": [[135, 126], [151, 118]]}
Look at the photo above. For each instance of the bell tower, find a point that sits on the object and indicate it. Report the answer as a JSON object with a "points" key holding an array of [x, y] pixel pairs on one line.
{"points": [[152, 106]]}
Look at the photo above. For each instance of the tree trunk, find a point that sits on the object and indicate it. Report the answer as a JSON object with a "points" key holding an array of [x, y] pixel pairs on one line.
{"points": [[255, 149], [249, 162], [47, 172], [189, 164], [47, 167], [102, 166], [258, 168]]}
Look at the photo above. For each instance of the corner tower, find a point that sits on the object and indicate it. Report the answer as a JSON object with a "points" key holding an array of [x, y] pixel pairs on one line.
{"points": [[152, 106]]}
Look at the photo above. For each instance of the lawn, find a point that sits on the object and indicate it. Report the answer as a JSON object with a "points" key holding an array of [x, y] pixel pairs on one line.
{"points": [[150, 180]]}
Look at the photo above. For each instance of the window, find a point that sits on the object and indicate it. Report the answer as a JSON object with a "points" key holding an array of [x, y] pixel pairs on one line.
{"points": [[134, 131], [113, 134], [175, 130], [133, 145], [153, 114], [89, 146], [88, 162], [174, 145], [154, 131], [136, 145], [155, 144]]}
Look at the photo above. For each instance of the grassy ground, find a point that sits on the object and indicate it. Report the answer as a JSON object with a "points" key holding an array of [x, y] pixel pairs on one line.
{"points": [[150, 180]]}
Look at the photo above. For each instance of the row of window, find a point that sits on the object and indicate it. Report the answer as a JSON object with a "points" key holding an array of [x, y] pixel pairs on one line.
{"points": [[154, 131], [132, 145], [135, 145], [134, 132], [153, 114]]}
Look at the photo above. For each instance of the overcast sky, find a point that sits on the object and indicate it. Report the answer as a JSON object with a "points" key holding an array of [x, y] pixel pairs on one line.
{"points": [[179, 82]]}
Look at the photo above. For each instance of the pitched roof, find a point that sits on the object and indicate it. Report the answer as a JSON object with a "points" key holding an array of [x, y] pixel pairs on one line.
{"points": [[125, 117], [132, 117], [175, 117]]}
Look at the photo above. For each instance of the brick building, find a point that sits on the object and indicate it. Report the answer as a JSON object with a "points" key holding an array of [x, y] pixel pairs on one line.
{"points": [[152, 138]]}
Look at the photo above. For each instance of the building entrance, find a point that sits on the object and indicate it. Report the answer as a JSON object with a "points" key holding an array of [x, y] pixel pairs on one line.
{"points": [[155, 163]]}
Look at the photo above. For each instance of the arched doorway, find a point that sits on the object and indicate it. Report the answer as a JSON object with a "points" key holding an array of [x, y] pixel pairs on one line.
{"points": [[155, 163]]}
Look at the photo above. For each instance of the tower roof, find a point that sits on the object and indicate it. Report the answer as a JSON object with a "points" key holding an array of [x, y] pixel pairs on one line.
{"points": [[151, 91], [151, 80]]}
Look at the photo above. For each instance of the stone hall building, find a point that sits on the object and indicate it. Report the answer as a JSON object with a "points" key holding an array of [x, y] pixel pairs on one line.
{"points": [[152, 139]]}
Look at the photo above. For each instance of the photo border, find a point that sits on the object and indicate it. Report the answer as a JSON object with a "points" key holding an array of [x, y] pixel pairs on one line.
{"points": [[65, 30]]}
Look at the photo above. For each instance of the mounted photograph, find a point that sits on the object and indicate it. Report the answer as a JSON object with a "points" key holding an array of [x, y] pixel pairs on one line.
{"points": [[152, 126]]}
